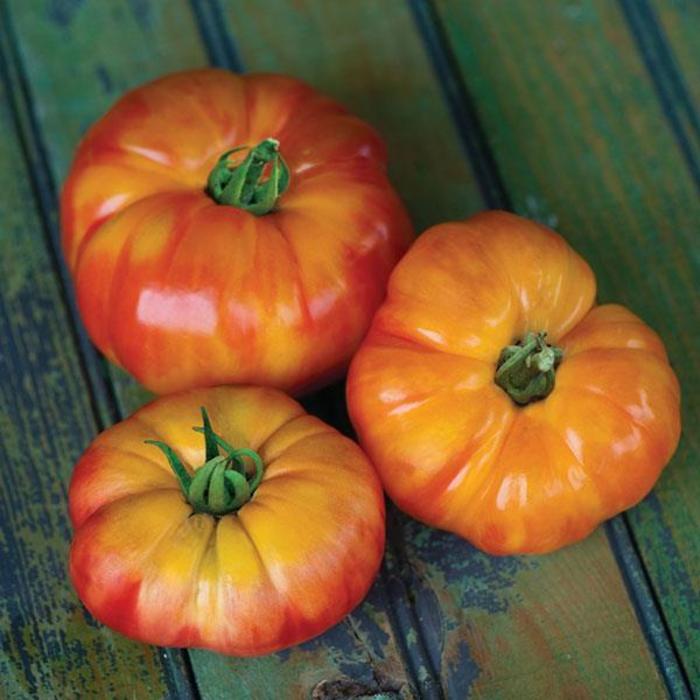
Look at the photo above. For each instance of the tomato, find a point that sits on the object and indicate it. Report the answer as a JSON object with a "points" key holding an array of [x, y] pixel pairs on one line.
{"points": [[230, 229], [498, 402], [271, 541]]}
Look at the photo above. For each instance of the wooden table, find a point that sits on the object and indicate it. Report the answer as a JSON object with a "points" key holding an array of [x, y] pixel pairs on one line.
{"points": [[580, 114]]}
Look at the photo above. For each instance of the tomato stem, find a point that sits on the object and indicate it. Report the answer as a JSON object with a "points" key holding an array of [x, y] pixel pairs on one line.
{"points": [[223, 483], [250, 184], [525, 371]]}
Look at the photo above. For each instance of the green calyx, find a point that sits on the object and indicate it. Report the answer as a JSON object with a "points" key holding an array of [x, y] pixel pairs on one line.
{"points": [[225, 482], [525, 371], [250, 185]]}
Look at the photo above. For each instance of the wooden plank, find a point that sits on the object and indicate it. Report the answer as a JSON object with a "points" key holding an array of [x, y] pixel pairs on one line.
{"points": [[678, 23], [666, 76], [581, 140], [560, 625], [49, 645], [99, 50]]}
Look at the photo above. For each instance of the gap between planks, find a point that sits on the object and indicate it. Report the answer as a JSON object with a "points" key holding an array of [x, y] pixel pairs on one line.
{"points": [[656, 53]]}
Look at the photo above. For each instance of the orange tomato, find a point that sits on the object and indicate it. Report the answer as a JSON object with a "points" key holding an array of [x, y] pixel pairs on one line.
{"points": [[478, 423], [192, 270], [218, 566]]}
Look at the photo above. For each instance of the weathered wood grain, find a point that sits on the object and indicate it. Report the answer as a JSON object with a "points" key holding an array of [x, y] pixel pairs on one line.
{"points": [[678, 21], [666, 77], [583, 142], [495, 627], [97, 51], [49, 646]]}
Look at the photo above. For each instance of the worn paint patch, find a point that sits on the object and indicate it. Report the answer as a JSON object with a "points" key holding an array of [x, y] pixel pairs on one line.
{"points": [[677, 582], [359, 648], [482, 581], [344, 689], [446, 578], [462, 671]]}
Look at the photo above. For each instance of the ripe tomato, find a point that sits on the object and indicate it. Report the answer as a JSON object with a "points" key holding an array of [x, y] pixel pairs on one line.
{"points": [[230, 229], [271, 541], [498, 402]]}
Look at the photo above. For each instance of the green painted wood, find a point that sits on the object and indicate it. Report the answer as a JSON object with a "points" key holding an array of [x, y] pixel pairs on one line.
{"points": [[581, 139], [667, 79], [97, 51], [560, 625], [679, 22], [557, 626], [49, 647]]}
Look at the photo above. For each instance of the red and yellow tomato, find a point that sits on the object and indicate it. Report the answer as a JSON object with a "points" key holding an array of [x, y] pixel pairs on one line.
{"points": [[272, 540], [230, 229]]}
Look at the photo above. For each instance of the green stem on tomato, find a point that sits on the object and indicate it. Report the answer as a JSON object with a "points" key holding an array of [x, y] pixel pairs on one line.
{"points": [[248, 185], [526, 371], [223, 483]]}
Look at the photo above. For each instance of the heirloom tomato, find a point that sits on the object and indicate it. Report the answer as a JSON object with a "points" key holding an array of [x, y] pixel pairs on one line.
{"points": [[258, 530], [225, 228], [498, 401]]}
